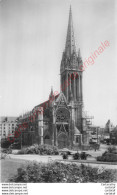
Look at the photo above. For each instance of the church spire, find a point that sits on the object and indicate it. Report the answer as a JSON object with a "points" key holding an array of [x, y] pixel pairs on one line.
{"points": [[70, 41]]}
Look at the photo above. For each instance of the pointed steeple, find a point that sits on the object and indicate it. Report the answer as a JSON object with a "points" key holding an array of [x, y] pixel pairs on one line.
{"points": [[70, 41], [51, 90], [51, 93], [79, 56], [51, 97]]}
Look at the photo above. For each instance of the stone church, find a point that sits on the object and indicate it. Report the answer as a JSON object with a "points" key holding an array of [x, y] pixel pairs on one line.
{"points": [[62, 122]]}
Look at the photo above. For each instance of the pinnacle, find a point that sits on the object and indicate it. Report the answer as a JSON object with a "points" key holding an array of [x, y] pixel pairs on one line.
{"points": [[70, 41]]}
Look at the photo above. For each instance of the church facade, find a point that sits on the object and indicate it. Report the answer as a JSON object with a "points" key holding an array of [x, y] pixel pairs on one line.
{"points": [[59, 121]]}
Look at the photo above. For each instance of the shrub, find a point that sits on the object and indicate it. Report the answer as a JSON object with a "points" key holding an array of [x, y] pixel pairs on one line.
{"points": [[65, 156], [40, 149], [5, 143], [83, 156], [107, 157], [112, 150], [32, 149], [7, 150], [59, 172], [76, 156]]}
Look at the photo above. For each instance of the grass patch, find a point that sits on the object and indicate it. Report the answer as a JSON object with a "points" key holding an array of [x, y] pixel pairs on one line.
{"points": [[9, 168]]}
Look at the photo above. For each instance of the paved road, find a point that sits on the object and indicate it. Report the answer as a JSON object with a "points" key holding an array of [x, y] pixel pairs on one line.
{"points": [[46, 159]]}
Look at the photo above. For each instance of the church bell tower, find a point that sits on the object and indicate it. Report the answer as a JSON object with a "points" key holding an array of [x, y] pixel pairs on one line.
{"points": [[71, 75]]}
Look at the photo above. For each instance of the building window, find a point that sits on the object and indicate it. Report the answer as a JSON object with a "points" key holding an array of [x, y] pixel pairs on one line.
{"points": [[62, 114], [77, 139]]}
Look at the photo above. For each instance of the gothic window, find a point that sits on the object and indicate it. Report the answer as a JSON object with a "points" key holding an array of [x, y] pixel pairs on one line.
{"points": [[62, 128], [62, 115], [58, 127], [77, 139], [77, 86]]}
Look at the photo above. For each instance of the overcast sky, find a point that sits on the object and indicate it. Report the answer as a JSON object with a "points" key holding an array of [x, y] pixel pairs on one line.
{"points": [[32, 39]]}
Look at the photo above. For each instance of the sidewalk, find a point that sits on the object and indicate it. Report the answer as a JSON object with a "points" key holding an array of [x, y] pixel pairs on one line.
{"points": [[90, 162]]}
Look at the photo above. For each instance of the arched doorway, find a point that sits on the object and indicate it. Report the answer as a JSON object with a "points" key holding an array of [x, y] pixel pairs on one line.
{"points": [[62, 140]]}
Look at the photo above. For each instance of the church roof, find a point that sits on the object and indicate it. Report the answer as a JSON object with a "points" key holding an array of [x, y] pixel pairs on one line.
{"points": [[70, 41], [43, 104], [61, 96]]}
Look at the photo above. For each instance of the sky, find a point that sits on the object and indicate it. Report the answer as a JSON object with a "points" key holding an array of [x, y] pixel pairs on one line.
{"points": [[32, 40]]}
